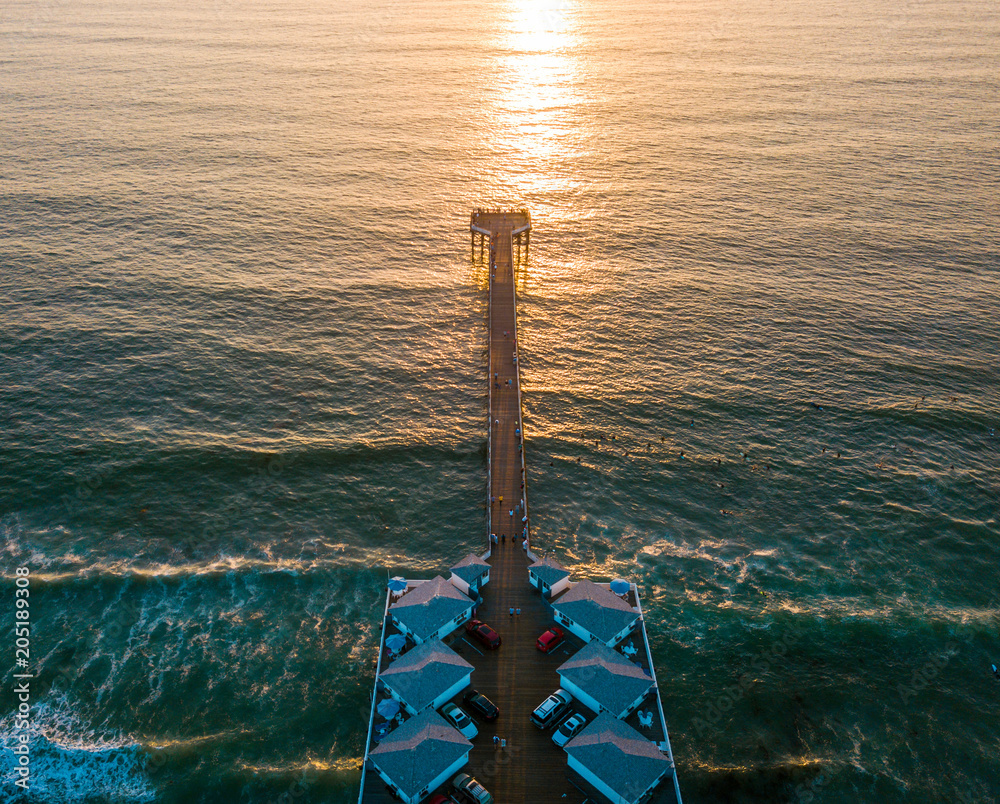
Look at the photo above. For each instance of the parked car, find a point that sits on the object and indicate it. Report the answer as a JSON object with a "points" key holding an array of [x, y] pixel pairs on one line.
{"points": [[470, 790], [569, 729], [478, 702], [481, 632], [551, 709], [461, 721], [549, 639], [441, 798]]}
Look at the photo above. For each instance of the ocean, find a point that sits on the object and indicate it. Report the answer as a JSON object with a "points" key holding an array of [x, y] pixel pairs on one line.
{"points": [[242, 373]]}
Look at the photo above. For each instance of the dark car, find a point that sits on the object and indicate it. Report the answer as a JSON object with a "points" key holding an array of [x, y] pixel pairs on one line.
{"points": [[480, 703], [549, 639], [483, 633]]}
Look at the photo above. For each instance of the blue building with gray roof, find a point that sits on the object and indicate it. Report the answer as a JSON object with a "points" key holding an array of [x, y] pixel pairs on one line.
{"points": [[426, 676], [605, 681], [617, 760], [431, 610], [548, 576], [594, 612], [419, 756], [471, 574]]}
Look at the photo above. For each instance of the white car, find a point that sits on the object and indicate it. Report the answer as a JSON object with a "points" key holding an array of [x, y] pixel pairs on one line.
{"points": [[461, 721], [548, 712], [569, 729]]}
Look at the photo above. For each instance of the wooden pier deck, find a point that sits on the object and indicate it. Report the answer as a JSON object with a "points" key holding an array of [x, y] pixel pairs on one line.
{"points": [[516, 677]]}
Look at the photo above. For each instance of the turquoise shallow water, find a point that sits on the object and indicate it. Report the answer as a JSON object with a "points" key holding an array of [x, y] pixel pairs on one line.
{"points": [[241, 372]]}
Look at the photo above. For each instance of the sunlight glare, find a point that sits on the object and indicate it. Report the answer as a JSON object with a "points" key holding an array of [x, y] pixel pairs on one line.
{"points": [[541, 25]]}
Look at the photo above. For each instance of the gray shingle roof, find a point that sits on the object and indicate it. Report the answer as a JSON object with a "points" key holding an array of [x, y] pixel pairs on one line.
{"points": [[618, 755], [548, 570], [607, 676], [471, 568], [428, 606], [419, 751], [424, 672], [596, 609]]}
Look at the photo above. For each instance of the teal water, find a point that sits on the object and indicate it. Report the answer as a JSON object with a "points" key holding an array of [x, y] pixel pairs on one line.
{"points": [[242, 358]]}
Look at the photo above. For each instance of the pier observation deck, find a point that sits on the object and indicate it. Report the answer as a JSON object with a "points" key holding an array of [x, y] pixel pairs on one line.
{"points": [[517, 677]]}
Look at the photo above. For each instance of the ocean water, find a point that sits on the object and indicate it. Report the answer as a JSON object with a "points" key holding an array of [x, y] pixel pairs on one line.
{"points": [[242, 372]]}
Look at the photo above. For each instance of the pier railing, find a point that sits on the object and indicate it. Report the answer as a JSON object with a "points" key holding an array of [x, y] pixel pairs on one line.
{"points": [[659, 697], [520, 426], [378, 675], [489, 414]]}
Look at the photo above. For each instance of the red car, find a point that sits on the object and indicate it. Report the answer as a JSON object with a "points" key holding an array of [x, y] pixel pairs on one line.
{"points": [[483, 633], [440, 798], [549, 639]]}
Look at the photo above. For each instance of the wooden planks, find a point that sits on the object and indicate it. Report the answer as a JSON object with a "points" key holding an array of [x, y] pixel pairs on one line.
{"points": [[517, 677]]}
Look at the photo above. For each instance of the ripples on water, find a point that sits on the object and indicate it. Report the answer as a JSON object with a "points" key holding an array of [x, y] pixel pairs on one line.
{"points": [[242, 372]]}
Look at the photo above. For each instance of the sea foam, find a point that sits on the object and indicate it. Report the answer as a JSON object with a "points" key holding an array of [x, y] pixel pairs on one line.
{"points": [[72, 761]]}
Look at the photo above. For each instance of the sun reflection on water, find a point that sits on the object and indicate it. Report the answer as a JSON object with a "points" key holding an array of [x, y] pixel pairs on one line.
{"points": [[541, 25], [534, 120]]}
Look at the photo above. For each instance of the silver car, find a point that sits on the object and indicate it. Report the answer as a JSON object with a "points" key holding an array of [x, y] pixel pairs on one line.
{"points": [[470, 790], [461, 721], [569, 729], [548, 712]]}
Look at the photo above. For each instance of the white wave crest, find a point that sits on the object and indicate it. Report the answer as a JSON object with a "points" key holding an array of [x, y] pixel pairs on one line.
{"points": [[70, 761]]}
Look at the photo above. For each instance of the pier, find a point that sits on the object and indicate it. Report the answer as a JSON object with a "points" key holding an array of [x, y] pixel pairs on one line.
{"points": [[517, 677]]}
